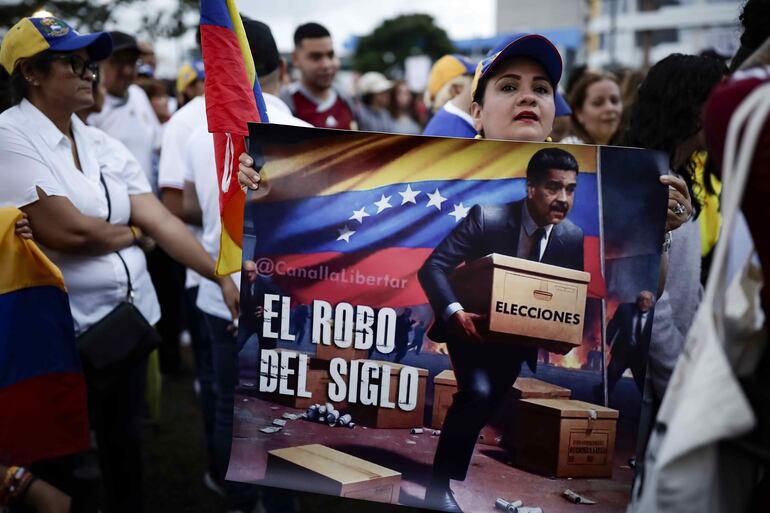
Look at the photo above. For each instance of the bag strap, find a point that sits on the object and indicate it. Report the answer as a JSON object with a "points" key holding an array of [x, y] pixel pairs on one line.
{"points": [[736, 166], [130, 291]]}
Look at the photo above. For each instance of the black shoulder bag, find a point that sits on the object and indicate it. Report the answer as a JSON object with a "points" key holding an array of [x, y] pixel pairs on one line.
{"points": [[120, 339]]}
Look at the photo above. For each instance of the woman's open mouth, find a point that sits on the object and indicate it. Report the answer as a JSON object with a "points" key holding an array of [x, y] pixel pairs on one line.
{"points": [[526, 116]]}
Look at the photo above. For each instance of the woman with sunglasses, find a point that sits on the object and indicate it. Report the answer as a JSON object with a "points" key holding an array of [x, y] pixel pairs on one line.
{"points": [[88, 203]]}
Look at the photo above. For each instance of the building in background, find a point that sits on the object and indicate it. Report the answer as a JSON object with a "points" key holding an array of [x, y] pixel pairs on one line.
{"points": [[639, 33]]}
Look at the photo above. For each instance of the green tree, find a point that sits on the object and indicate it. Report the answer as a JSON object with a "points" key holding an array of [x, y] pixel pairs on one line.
{"points": [[391, 43]]}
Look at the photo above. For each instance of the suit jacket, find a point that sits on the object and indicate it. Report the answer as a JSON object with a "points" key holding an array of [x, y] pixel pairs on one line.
{"points": [[620, 332], [490, 229]]}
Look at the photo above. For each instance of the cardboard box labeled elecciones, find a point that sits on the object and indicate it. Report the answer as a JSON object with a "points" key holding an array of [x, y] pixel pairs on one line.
{"points": [[526, 303], [379, 417], [563, 438], [320, 469], [445, 386]]}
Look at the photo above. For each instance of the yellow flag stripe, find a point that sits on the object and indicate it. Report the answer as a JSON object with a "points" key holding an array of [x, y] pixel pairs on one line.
{"points": [[370, 161]]}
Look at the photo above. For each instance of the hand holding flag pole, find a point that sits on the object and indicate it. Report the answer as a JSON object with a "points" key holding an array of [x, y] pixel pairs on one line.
{"points": [[233, 99]]}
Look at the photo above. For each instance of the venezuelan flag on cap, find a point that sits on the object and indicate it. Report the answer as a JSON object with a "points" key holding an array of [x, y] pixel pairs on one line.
{"points": [[352, 217], [233, 99], [42, 390]]}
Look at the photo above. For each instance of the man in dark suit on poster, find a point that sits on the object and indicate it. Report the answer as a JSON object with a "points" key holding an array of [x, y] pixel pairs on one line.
{"points": [[629, 333], [535, 228]]}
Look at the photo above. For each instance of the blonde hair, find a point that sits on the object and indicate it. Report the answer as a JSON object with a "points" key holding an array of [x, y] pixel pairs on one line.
{"points": [[445, 93]]}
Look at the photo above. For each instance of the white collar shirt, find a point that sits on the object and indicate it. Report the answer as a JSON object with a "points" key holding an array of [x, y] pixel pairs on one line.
{"points": [[527, 232], [36, 154], [176, 133], [132, 121]]}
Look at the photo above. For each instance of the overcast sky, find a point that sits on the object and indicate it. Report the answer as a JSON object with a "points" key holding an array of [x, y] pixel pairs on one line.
{"points": [[346, 18], [343, 18]]}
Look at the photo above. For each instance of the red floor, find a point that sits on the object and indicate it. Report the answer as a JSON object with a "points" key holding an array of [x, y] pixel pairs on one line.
{"points": [[490, 476]]}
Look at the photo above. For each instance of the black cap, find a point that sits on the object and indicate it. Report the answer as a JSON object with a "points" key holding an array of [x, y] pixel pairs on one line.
{"points": [[122, 41], [263, 47]]}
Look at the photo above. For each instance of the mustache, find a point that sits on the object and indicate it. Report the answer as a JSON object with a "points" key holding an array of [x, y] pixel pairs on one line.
{"points": [[560, 206]]}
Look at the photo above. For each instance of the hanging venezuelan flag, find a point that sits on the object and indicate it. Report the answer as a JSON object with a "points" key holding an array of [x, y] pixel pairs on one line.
{"points": [[233, 99], [42, 390]]}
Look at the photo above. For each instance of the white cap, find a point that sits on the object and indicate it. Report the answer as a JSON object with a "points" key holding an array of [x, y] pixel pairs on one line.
{"points": [[373, 82]]}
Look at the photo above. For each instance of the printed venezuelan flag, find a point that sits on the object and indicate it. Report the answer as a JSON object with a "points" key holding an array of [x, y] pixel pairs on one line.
{"points": [[42, 390], [233, 99], [352, 217]]}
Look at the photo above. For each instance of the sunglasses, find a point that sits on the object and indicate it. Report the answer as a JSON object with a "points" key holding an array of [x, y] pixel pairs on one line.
{"points": [[79, 65]]}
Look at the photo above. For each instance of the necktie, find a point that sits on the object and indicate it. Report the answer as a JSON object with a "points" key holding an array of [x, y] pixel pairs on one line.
{"points": [[638, 331], [537, 238]]}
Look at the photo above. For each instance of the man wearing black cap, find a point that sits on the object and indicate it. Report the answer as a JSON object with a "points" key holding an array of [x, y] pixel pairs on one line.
{"points": [[127, 114]]}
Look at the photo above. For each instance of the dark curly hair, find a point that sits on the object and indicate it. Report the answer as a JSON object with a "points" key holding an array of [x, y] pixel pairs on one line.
{"points": [[667, 110], [755, 20]]}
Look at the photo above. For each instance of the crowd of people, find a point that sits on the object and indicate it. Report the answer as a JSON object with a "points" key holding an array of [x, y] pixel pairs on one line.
{"points": [[113, 172]]}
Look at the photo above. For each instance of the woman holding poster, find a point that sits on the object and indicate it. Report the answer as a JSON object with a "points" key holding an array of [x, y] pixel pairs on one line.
{"points": [[514, 93]]}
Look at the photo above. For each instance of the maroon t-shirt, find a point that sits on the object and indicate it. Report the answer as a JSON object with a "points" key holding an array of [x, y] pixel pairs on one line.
{"points": [[337, 115], [724, 100]]}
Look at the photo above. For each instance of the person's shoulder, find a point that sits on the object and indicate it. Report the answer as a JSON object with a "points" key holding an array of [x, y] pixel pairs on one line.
{"points": [[344, 99], [137, 94], [495, 215], [568, 229], [10, 120], [138, 98], [188, 117], [104, 143]]}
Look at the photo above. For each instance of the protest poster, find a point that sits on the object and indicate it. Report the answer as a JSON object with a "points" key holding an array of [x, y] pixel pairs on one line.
{"points": [[349, 369]]}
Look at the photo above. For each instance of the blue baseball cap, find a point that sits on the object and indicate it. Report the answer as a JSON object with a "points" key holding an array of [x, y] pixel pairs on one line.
{"points": [[534, 46], [31, 36]]}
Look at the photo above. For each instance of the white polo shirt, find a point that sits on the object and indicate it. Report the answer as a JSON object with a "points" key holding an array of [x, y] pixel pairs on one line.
{"points": [[36, 154], [133, 122], [176, 133], [200, 168]]}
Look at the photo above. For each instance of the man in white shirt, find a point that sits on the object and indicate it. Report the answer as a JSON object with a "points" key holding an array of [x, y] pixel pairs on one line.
{"points": [[176, 133], [128, 116], [201, 195]]}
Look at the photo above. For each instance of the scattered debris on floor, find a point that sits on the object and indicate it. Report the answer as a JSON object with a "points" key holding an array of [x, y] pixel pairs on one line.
{"points": [[270, 429], [515, 507], [576, 498], [508, 507], [327, 414]]}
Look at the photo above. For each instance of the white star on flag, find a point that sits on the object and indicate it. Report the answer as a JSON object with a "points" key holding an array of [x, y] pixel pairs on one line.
{"points": [[409, 196], [436, 199], [383, 203], [345, 233], [359, 215], [459, 212]]}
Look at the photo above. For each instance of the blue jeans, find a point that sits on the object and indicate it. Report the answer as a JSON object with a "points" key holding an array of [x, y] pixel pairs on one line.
{"points": [[224, 358]]}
